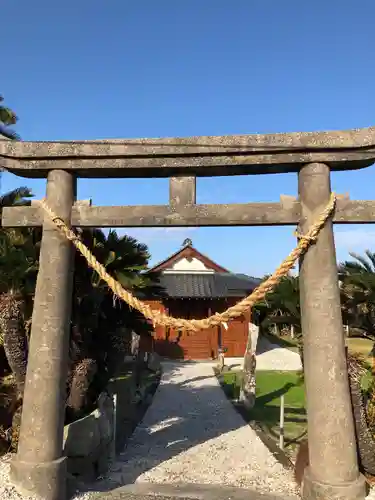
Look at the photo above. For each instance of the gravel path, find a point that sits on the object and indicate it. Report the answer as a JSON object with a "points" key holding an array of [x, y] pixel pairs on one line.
{"points": [[192, 434], [271, 357], [7, 490]]}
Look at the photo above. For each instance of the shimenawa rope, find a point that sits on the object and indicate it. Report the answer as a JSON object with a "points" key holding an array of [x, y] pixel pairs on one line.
{"points": [[160, 318]]}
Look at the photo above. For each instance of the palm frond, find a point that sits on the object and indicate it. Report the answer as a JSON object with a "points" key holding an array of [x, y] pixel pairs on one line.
{"points": [[16, 196], [9, 133], [363, 261], [7, 116], [283, 319], [371, 258]]}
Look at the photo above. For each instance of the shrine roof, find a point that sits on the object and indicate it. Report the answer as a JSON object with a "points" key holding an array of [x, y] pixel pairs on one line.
{"points": [[188, 252], [207, 286]]}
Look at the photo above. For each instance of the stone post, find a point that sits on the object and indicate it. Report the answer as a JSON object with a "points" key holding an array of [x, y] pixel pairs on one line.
{"points": [[333, 470], [248, 385], [39, 467]]}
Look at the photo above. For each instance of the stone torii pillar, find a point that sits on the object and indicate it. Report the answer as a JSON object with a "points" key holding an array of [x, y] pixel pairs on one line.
{"points": [[333, 471], [39, 467]]}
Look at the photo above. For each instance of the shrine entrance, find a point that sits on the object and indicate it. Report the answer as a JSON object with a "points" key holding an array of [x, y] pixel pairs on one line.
{"points": [[333, 473]]}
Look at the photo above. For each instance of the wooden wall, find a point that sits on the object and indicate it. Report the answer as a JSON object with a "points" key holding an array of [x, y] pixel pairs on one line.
{"points": [[203, 344]]}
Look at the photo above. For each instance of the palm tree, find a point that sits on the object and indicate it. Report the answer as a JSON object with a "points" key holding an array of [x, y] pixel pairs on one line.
{"points": [[357, 278], [17, 197], [357, 286], [7, 117], [18, 268], [361, 385], [102, 325]]}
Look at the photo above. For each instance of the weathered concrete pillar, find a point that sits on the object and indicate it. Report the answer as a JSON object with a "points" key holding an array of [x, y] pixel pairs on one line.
{"points": [[39, 467], [333, 471]]}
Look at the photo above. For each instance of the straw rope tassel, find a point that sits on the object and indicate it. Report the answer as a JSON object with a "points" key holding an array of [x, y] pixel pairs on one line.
{"points": [[159, 318]]}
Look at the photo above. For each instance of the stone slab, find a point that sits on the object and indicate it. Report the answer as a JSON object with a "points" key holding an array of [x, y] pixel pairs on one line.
{"points": [[148, 491]]}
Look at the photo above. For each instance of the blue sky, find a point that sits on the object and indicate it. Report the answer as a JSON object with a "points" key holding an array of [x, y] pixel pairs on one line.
{"points": [[121, 69]]}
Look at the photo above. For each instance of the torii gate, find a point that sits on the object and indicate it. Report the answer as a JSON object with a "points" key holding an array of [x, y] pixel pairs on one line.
{"points": [[333, 473]]}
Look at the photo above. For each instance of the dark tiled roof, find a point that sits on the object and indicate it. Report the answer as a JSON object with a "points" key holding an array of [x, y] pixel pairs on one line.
{"points": [[215, 285]]}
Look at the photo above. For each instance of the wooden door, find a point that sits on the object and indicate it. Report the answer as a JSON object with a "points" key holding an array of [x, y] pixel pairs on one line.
{"points": [[198, 345], [235, 338]]}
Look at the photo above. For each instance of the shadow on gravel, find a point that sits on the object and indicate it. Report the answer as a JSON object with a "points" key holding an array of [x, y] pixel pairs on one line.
{"points": [[196, 418]]}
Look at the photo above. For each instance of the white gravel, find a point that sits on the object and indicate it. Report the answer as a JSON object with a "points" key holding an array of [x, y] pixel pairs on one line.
{"points": [[271, 357], [7, 490], [192, 434]]}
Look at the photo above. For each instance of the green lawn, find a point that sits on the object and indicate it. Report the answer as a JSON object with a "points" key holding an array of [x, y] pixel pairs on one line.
{"points": [[360, 346], [271, 385], [355, 345], [266, 412]]}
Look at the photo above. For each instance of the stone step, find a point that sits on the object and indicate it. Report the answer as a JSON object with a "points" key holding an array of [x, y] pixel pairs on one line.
{"points": [[148, 491]]}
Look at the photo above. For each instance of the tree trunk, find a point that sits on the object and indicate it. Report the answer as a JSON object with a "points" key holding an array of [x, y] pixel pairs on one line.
{"points": [[119, 345], [15, 341], [302, 461], [135, 340], [300, 350], [365, 441], [82, 377], [16, 424]]}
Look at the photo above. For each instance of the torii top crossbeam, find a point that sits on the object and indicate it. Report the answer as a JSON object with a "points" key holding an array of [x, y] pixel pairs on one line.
{"points": [[197, 156]]}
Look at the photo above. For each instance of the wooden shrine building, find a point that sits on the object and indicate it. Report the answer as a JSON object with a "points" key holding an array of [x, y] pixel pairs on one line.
{"points": [[196, 287]]}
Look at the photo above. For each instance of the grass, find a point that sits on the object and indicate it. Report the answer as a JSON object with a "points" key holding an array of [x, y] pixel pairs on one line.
{"points": [[271, 385], [356, 345], [360, 346]]}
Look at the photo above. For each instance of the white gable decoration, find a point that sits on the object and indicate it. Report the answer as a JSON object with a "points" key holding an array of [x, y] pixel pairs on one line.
{"points": [[192, 265]]}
